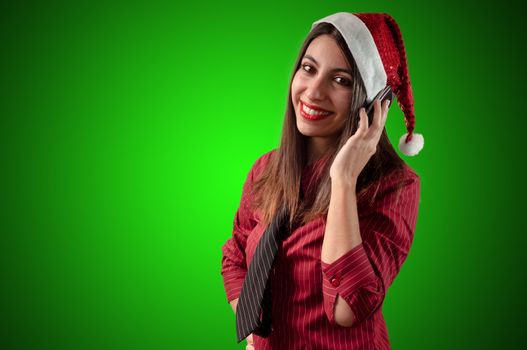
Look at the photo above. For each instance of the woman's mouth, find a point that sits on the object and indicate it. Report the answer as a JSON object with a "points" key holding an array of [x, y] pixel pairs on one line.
{"points": [[312, 113]]}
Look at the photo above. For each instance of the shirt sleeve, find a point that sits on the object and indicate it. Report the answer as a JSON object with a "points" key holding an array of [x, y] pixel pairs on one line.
{"points": [[233, 265], [362, 275]]}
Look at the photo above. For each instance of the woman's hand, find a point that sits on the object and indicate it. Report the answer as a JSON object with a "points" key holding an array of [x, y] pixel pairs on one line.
{"points": [[250, 345], [359, 148]]}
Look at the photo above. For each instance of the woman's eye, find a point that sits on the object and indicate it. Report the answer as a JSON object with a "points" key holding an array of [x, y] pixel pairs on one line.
{"points": [[340, 80], [307, 68], [343, 81]]}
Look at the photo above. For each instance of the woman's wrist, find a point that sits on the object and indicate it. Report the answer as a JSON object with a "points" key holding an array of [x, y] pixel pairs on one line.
{"points": [[344, 184]]}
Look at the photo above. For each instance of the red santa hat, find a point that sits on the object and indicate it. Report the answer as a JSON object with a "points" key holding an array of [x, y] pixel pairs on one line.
{"points": [[376, 44]]}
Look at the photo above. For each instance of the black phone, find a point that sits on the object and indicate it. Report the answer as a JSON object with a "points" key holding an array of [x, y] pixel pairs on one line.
{"points": [[384, 94]]}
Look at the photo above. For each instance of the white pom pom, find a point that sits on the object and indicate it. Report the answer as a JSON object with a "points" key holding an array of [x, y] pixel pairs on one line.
{"points": [[412, 147]]}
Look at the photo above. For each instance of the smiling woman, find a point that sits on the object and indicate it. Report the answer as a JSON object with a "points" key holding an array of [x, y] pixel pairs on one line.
{"points": [[327, 219], [322, 93]]}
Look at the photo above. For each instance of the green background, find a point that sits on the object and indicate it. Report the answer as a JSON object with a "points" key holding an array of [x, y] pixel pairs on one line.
{"points": [[127, 130]]}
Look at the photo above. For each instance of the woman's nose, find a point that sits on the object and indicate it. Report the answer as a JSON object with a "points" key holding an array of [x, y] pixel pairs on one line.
{"points": [[316, 89]]}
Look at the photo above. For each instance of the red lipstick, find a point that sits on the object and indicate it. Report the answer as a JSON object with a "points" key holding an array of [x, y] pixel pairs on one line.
{"points": [[311, 112]]}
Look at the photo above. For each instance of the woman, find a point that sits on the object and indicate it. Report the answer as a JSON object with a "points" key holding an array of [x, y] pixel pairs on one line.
{"points": [[351, 200]]}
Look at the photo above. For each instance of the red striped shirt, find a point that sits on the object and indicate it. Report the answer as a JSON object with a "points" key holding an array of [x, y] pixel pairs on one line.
{"points": [[304, 289]]}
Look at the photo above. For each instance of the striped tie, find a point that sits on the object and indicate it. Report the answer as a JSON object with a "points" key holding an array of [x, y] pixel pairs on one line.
{"points": [[253, 313]]}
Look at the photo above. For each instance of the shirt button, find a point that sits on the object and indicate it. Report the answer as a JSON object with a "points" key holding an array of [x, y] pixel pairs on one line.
{"points": [[335, 282]]}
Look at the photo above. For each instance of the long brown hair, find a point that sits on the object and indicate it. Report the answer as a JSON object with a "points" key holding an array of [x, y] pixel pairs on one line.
{"points": [[279, 183]]}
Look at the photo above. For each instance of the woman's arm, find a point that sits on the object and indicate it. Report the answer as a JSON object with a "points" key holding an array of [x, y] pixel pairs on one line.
{"points": [[233, 263], [360, 258], [234, 303], [341, 236]]}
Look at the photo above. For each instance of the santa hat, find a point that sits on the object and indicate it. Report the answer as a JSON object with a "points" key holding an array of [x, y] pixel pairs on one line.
{"points": [[376, 44]]}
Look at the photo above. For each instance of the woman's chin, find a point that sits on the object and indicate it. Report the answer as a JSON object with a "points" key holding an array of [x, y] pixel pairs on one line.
{"points": [[309, 130], [312, 131], [309, 133]]}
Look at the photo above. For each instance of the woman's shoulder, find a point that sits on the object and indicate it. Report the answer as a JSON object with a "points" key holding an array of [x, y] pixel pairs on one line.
{"points": [[261, 162], [401, 174], [391, 182], [406, 173], [402, 178]]}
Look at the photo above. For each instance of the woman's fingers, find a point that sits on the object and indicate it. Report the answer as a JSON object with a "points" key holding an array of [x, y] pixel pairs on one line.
{"points": [[379, 119], [363, 121], [250, 343], [385, 112], [380, 114], [377, 115]]}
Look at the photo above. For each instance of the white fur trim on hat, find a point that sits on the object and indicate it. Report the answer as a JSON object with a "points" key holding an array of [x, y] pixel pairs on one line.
{"points": [[412, 147], [363, 48]]}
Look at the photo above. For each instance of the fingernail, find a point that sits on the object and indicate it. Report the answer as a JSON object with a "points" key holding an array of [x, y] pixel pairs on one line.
{"points": [[389, 102]]}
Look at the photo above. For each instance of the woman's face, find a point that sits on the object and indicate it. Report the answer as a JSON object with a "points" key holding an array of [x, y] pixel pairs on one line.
{"points": [[321, 89]]}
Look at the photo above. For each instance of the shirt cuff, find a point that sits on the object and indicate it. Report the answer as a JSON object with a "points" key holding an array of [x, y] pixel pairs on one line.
{"points": [[346, 276], [233, 282]]}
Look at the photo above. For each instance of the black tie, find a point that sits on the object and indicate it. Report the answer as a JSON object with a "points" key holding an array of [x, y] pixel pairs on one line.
{"points": [[253, 312]]}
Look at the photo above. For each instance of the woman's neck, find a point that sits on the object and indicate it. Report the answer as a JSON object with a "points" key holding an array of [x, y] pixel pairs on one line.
{"points": [[317, 147]]}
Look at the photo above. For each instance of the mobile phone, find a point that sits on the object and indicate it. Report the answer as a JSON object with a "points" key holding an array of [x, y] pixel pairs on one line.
{"points": [[384, 94]]}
